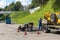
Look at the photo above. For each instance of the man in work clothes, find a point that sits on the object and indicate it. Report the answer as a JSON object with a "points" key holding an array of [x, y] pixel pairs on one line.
{"points": [[40, 24]]}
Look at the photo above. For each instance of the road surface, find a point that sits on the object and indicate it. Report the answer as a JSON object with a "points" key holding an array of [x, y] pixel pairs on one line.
{"points": [[8, 32]]}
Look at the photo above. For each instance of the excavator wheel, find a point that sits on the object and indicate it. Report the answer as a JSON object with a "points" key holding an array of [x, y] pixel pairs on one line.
{"points": [[46, 30]]}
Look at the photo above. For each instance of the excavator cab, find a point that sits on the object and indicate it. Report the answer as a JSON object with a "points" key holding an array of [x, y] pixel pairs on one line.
{"points": [[53, 18]]}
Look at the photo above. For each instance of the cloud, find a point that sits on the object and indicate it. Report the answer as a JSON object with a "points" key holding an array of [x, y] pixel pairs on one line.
{"points": [[25, 2], [9, 1], [2, 3]]}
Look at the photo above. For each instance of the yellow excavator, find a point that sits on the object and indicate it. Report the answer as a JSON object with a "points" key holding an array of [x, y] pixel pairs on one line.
{"points": [[51, 22]]}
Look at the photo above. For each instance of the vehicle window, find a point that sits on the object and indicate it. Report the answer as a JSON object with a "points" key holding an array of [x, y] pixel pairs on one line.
{"points": [[52, 16]]}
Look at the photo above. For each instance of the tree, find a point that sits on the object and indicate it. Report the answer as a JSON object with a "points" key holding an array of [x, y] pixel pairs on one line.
{"points": [[1, 9], [11, 6], [56, 5], [36, 3], [5, 8], [14, 6], [17, 6]]}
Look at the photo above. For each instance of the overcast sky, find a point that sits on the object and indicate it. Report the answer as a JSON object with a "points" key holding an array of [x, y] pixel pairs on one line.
{"points": [[3, 3]]}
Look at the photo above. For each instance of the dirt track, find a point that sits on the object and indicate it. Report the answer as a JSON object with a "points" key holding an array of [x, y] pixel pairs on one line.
{"points": [[8, 32]]}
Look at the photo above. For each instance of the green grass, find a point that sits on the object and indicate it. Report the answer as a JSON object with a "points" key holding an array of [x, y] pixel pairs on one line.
{"points": [[16, 15], [36, 15]]}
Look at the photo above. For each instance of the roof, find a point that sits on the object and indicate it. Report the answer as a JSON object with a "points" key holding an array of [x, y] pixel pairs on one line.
{"points": [[5, 12]]}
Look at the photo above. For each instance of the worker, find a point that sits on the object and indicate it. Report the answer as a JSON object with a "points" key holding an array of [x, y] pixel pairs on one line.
{"points": [[19, 29], [30, 26], [22, 28], [40, 24]]}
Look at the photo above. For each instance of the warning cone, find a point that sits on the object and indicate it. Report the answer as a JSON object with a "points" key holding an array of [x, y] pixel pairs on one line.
{"points": [[38, 32], [25, 33], [18, 31]]}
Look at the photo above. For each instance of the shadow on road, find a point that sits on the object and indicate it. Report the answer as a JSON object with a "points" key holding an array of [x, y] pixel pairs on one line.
{"points": [[55, 32]]}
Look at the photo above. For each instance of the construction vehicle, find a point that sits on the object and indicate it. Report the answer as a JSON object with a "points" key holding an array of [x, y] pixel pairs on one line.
{"points": [[51, 21]]}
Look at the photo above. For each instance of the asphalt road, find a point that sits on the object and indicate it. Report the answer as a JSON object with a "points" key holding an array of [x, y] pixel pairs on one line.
{"points": [[9, 32]]}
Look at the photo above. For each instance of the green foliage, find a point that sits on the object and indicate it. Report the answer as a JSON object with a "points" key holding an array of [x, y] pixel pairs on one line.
{"points": [[24, 16], [2, 17], [56, 5], [10, 7], [18, 6], [14, 6], [1, 9], [37, 14], [16, 15], [36, 3], [5, 8]]}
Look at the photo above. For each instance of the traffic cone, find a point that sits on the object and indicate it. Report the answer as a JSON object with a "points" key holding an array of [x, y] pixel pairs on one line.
{"points": [[18, 31], [38, 33], [25, 33]]}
